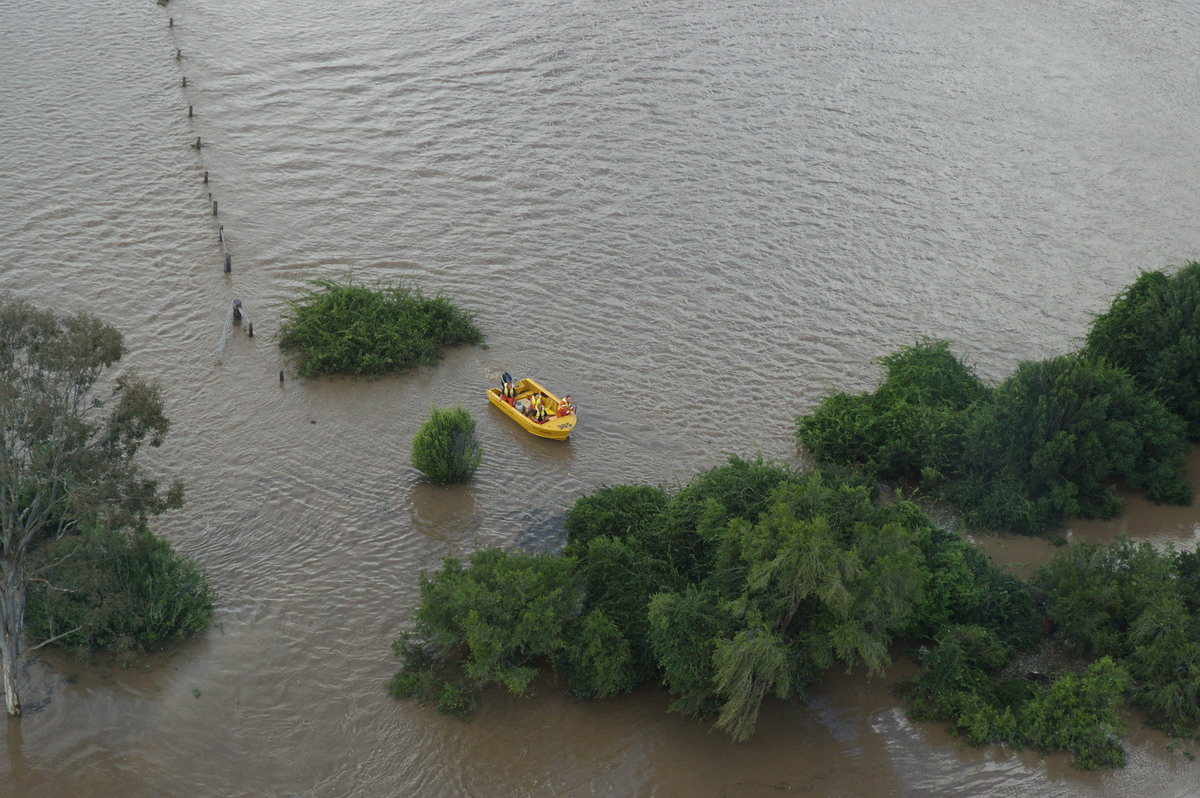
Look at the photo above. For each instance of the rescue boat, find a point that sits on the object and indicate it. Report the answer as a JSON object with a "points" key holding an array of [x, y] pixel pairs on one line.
{"points": [[556, 427]]}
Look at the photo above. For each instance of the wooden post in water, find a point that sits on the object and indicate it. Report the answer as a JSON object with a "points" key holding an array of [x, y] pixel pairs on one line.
{"points": [[206, 177], [185, 81], [214, 207], [189, 112], [225, 249]]}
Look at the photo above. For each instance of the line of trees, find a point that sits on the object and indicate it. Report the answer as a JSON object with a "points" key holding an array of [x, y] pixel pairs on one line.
{"points": [[749, 582], [1054, 439], [755, 578]]}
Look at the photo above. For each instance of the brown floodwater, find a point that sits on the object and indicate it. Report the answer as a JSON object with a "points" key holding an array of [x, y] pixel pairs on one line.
{"points": [[696, 218]]}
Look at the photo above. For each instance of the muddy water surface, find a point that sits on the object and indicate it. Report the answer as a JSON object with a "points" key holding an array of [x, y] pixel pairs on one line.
{"points": [[677, 206]]}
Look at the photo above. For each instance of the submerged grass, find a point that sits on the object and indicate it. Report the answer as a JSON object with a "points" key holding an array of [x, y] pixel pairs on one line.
{"points": [[341, 327]]}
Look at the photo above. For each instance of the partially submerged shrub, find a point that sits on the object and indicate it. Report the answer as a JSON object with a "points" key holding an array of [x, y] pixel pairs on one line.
{"points": [[492, 622], [445, 448], [116, 592], [344, 328], [960, 681], [1137, 604], [1056, 437], [748, 582], [913, 422], [1151, 330]]}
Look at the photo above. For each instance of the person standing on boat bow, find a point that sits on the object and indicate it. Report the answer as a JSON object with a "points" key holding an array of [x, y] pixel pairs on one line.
{"points": [[508, 389]]}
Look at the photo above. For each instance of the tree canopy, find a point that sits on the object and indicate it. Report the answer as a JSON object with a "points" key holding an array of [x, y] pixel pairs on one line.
{"points": [[1152, 330], [69, 435], [747, 583], [1049, 443]]}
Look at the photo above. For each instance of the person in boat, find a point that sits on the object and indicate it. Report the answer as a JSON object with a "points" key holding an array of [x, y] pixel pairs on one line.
{"points": [[539, 409], [508, 389], [565, 408]]}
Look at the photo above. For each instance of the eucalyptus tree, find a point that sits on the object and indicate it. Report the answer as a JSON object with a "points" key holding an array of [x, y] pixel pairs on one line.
{"points": [[70, 429]]}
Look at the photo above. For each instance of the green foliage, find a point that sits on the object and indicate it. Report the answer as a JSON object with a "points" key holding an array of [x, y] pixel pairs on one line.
{"points": [[445, 448], [749, 582], [1152, 330], [66, 450], [957, 679], [340, 327], [685, 629], [1136, 604], [615, 511], [1079, 714], [912, 424], [824, 574], [598, 661], [621, 576], [1053, 440], [687, 534], [960, 682], [963, 588], [123, 593], [494, 622], [1056, 436], [1048, 444], [748, 666]]}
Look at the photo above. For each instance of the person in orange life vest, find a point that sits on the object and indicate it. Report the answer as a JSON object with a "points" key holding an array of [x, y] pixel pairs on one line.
{"points": [[565, 408]]}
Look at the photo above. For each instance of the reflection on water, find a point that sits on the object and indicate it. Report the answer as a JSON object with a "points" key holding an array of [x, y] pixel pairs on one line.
{"points": [[695, 220]]}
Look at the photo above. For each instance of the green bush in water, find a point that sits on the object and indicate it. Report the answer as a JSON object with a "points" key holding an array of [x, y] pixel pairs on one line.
{"points": [[1048, 444], [910, 426], [116, 592], [1078, 713], [1138, 604], [1055, 438], [445, 448], [1152, 330], [493, 622], [344, 328]]}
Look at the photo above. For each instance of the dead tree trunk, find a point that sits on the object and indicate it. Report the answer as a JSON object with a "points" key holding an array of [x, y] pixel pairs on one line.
{"points": [[12, 628]]}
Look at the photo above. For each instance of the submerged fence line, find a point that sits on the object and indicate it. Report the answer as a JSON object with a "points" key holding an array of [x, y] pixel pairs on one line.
{"points": [[236, 315], [198, 146]]}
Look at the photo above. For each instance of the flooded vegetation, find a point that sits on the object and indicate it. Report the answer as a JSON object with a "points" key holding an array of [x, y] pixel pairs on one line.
{"points": [[716, 216]]}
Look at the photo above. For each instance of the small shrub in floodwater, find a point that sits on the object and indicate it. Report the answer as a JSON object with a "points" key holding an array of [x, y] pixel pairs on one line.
{"points": [[445, 448]]}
